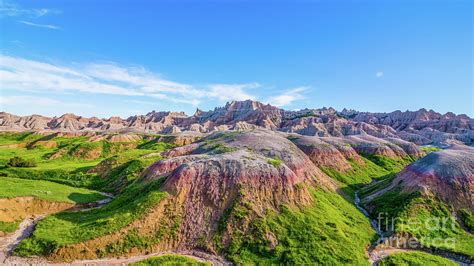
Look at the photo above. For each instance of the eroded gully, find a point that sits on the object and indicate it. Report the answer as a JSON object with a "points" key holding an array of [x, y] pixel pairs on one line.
{"points": [[378, 251], [9, 242]]}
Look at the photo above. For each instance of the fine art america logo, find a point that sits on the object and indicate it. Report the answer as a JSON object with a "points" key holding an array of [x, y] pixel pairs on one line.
{"points": [[433, 228]]}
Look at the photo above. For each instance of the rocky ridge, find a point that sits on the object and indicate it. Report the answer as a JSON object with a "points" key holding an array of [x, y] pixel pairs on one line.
{"points": [[421, 127], [447, 174]]}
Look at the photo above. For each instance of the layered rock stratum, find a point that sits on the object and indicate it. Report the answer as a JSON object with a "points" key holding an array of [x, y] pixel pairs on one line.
{"points": [[447, 174], [421, 127]]}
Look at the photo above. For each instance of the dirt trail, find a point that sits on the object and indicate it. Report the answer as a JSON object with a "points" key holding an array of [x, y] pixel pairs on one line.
{"points": [[197, 255], [194, 254], [379, 253], [26, 228], [10, 241]]}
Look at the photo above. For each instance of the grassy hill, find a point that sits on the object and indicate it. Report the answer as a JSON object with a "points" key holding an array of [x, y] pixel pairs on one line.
{"points": [[253, 197], [16, 187]]}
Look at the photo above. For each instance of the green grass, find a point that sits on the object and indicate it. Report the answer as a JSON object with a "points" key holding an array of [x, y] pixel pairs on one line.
{"points": [[9, 227], [331, 231], [15, 187], [171, 260], [390, 164], [429, 149], [20, 162], [358, 176], [380, 183], [276, 162], [156, 146], [7, 138], [426, 218], [415, 258], [39, 155], [70, 169], [73, 227], [375, 168], [67, 178], [467, 218]]}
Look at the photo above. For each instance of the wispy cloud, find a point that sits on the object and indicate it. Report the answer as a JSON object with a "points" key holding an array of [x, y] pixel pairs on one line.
{"points": [[140, 102], [18, 43], [228, 92], [110, 78], [37, 101], [135, 81], [288, 97], [22, 74], [47, 26], [10, 9], [379, 74]]}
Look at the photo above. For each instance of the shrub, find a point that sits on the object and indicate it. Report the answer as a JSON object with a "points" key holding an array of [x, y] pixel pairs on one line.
{"points": [[20, 162], [276, 162], [467, 219]]}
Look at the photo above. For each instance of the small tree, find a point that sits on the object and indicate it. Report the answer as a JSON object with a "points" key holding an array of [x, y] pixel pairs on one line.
{"points": [[20, 162]]}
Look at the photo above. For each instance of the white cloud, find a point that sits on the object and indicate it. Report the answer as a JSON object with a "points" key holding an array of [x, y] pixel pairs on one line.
{"points": [[110, 78], [35, 101], [138, 77], [287, 97], [9, 9], [379, 74], [22, 74], [14, 100], [141, 102], [228, 92], [47, 26], [193, 102]]}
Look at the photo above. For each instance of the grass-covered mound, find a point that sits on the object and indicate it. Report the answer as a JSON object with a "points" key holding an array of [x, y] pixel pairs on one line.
{"points": [[16, 187], [171, 260], [415, 258], [11, 138], [69, 161], [430, 200], [67, 228], [428, 219], [20, 162], [69, 177], [355, 161], [44, 190], [330, 231]]}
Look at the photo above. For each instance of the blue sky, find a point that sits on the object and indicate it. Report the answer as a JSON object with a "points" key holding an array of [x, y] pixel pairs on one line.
{"points": [[103, 58]]}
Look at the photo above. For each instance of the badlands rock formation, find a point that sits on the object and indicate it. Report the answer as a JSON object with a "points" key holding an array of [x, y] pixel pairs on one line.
{"points": [[223, 174], [447, 174], [421, 127], [337, 152]]}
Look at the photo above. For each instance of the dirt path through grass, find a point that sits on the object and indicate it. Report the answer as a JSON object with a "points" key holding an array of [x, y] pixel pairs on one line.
{"points": [[8, 244], [194, 254], [26, 228], [10, 241], [379, 253]]}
